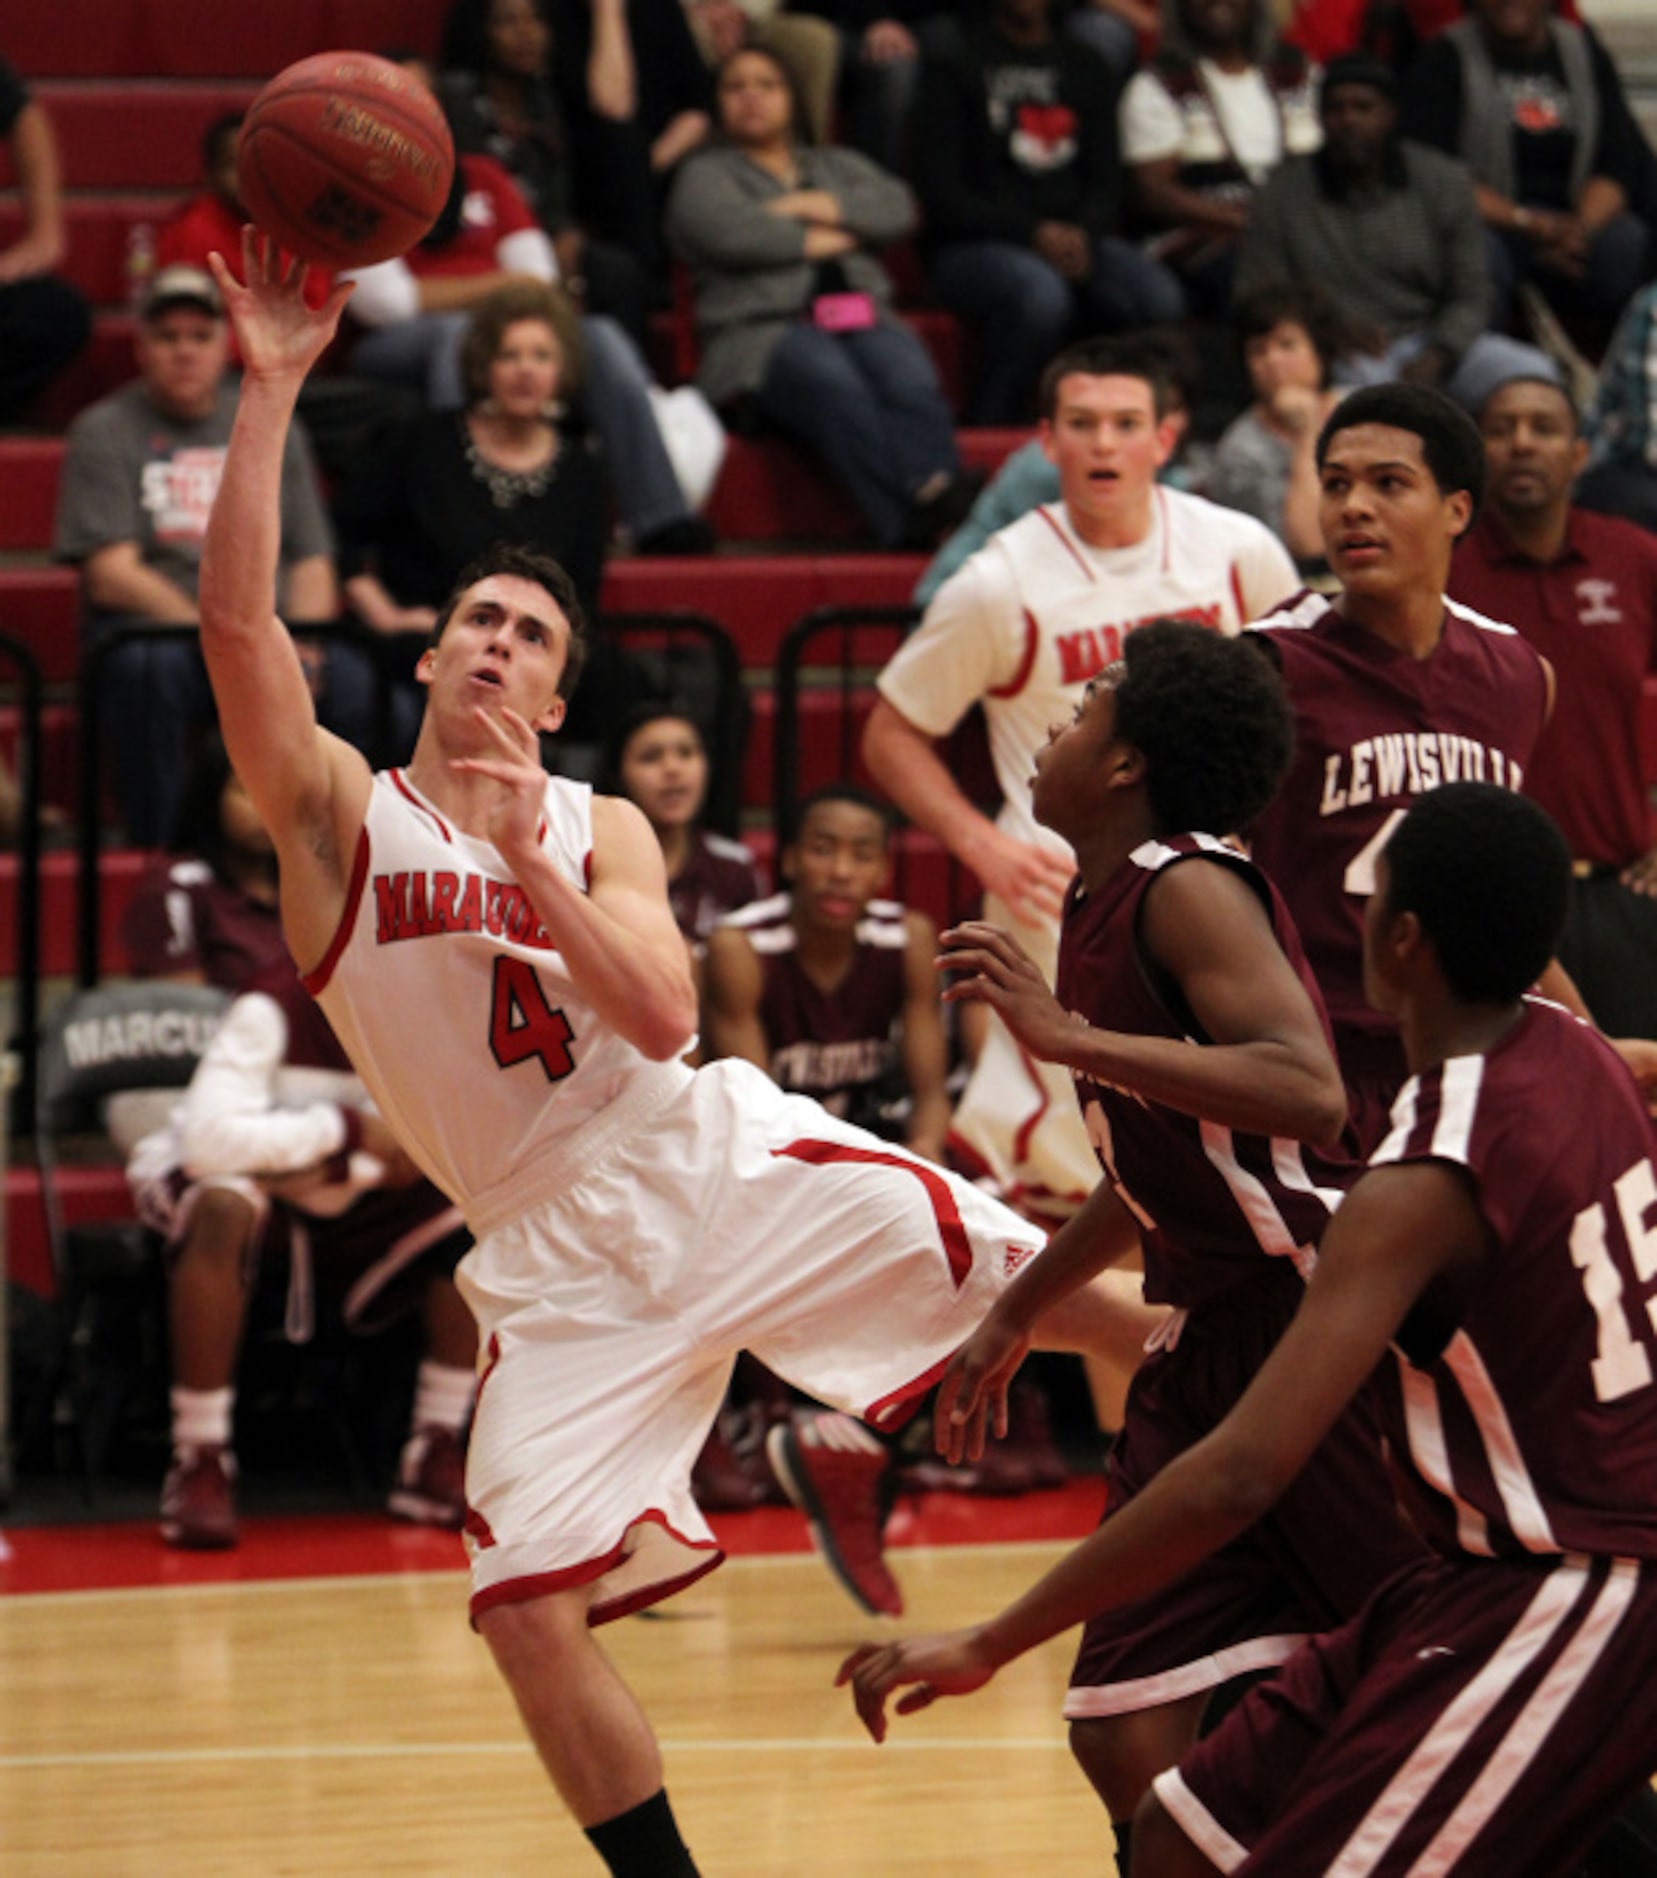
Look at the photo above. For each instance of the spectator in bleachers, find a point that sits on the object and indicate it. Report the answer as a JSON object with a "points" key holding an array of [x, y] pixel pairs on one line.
{"points": [[1534, 107], [1266, 461], [658, 760], [637, 97], [880, 49], [1621, 425], [1018, 167], [497, 91], [44, 321], [344, 415], [416, 309], [1212, 114], [1582, 588], [1391, 233], [140, 473], [510, 465], [809, 46], [793, 305]]}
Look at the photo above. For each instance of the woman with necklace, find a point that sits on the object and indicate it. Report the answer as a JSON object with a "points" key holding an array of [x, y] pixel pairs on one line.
{"points": [[794, 309], [510, 465]]}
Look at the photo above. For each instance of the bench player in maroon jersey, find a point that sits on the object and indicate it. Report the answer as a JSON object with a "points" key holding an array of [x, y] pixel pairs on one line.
{"points": [[1174, 938], [1458, 1723]]}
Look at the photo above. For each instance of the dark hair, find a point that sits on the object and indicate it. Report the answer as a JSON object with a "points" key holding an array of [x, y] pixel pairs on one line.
{"points": [[627, 727], [857, 797], [226, 124], [1451, 446], [1560, 391], [466, 35], [1488, 875], [522, 300], [199, 825], [508, 557], [1211, 718], [1296, 303], [1115, 356], [799, 117]]}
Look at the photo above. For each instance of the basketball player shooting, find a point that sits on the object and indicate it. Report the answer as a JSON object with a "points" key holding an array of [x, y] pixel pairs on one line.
{"points": [[495, 949]]}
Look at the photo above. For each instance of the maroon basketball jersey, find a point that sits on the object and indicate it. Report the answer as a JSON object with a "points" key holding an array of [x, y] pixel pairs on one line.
{"points": [[840, 1046], [719, 875], [1211, 1201], [183, 918], [1374, 729], [1531, 1427]]}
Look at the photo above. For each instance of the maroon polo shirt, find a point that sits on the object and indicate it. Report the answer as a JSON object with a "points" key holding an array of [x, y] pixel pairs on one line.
{"points": [[1592, 614]]}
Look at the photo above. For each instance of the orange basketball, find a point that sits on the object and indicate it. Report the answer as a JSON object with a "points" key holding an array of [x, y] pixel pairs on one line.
{"points": [[345, 159]]}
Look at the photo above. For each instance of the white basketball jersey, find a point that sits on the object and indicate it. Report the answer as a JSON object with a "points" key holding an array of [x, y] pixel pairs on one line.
{"points": [[454, 1005], [1037, 612]]}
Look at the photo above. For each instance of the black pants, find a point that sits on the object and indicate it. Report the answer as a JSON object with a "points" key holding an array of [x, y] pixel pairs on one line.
{"points": [[44, 322], [1610, 949]]}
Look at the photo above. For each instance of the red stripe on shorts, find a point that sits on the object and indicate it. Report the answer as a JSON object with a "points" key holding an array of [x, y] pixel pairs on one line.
{"points": [[957, 1246]]}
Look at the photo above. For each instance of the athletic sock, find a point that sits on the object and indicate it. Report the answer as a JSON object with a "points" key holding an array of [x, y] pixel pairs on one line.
{"points": [[1124, 1847], [643, 1842], [201, 1417], [442, 1397]]}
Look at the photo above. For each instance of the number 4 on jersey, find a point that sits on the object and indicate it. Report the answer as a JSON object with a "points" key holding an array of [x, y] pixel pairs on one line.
{"points": [[522, 1024]]}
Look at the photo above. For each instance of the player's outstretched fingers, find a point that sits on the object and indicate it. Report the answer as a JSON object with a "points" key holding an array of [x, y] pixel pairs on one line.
{"points": [[861, 1669]]}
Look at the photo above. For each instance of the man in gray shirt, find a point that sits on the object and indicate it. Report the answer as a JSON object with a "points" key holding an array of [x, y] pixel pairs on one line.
{"points": [[1391, 233], [139, 477]]}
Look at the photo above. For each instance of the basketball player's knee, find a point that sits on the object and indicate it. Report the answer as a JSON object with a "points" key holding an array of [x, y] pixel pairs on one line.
{"points": [[1098, 1749], [538, 1636], [221, 1224]]}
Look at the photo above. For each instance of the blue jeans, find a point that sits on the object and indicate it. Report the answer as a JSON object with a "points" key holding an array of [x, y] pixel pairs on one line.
{"points": [[1024, 310], [1613, 272], [869, 404], [154, 700], [425, 352]]}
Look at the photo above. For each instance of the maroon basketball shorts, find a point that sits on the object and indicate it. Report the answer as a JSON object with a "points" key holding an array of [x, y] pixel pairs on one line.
{"points": [[1308, 1565], [1478, 1716]]}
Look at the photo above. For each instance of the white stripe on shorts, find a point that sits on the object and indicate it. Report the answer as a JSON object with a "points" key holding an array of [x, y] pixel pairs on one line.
{"points": [[1512, 1759], [1410, 1786], [1198, 1824]]}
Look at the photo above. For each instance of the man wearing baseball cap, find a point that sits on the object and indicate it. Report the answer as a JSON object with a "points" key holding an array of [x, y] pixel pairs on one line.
{"points": [[139, 477]]}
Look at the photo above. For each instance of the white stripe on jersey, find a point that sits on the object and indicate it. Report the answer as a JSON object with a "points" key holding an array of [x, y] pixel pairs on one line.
{"points": [[1461, 1078], [1431, 1454], [1254, 1202], [1403, 1124], [1526, 1515], [1449, 1735], [770, 930], [1512, 1759], [1307, 608]]}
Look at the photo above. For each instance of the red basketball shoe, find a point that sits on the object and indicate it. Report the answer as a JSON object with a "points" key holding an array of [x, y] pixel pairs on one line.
{"points": [[198, 1499], [840, 1477]]}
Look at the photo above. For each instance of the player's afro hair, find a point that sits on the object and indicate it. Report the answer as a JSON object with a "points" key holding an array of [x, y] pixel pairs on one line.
{"points": [[1488, 875], [1211, 718]]}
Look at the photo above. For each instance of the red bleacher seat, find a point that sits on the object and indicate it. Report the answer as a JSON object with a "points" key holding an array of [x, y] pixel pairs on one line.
{"points": [[147, 131], [207, 38]]}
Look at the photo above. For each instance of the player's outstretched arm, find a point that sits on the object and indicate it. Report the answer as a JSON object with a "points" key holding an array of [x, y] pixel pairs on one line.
{"points": [[733, 981], [1401, 1227], [308, 787]]}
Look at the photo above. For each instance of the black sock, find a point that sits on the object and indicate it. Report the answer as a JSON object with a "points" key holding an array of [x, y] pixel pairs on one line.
{"points": [[643, 1842], [1124, 1846]]}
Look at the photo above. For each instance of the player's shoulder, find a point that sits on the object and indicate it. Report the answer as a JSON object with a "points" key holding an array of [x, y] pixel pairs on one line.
{"points": [[884, 924], [724, 848], [1479, 622], [1303, 615], [767, 925], [1209, 522]]}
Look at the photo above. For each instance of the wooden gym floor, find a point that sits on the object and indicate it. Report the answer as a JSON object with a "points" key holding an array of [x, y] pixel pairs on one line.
{"points": [[315, 1703]]}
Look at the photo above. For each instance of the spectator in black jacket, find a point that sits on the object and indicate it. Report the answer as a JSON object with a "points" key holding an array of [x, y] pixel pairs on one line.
{"points": [[1534, 107], [1019, 173]]}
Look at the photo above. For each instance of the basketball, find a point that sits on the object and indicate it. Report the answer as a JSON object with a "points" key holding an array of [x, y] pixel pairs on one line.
{"points": [[344, 159]]}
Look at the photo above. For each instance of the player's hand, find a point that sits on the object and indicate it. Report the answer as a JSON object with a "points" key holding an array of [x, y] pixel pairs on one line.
{"points": [[885, 41], [953, 1664], [984, 965], [514, 818], [1031, 881], [1640, 1054], [1641, 876], [973, 1392], [278, 333]]}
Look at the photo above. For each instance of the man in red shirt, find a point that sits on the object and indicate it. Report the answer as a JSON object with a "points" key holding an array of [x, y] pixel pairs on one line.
{"points": [[1582, 588]]}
